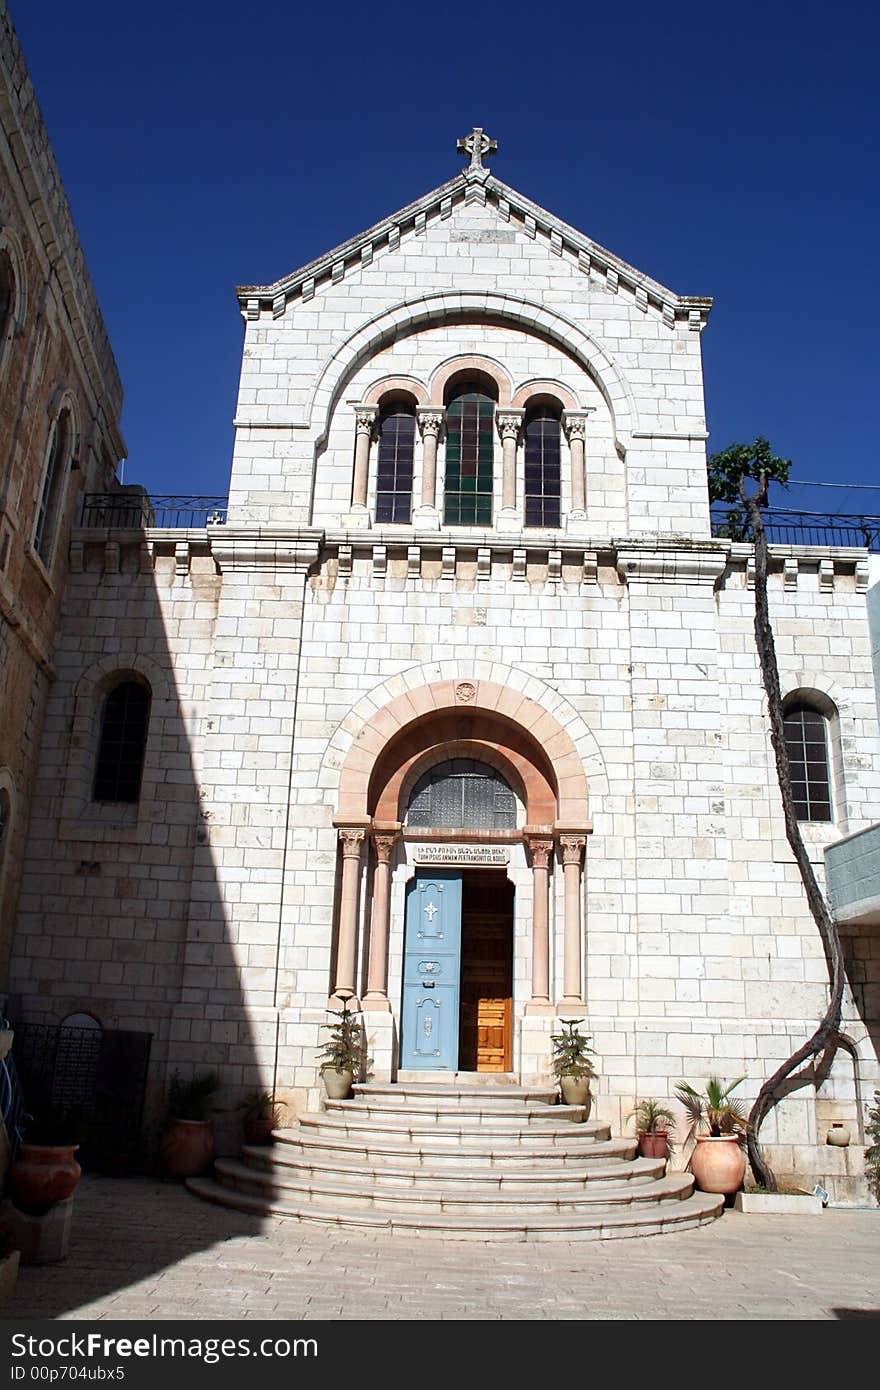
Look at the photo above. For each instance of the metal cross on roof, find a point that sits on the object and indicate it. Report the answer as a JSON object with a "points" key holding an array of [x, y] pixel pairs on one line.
{"points": [[477, 145]]}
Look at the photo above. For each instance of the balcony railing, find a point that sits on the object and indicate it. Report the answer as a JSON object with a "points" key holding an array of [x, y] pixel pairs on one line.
{"points": [[803, 528], [132, 509]]}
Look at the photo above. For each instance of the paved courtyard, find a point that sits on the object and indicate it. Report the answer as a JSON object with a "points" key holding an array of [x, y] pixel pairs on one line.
{"points": [[145, 1249]]}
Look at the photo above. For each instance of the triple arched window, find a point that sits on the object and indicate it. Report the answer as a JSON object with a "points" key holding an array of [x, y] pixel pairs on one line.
{"points": [[122, 742], [806, 742]]}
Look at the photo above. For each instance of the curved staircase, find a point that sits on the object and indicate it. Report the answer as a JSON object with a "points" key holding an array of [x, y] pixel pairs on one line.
{"points": [[463, 1161]]}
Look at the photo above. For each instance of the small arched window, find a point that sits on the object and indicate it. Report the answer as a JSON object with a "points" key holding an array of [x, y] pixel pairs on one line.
{"points": [[806, 741], [462, 795], [394, 467], [123, 740], [470, 453], [58, 455], [543, 453]]}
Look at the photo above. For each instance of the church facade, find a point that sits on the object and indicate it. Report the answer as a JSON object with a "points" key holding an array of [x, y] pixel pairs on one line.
{"points": [[457, 713]]}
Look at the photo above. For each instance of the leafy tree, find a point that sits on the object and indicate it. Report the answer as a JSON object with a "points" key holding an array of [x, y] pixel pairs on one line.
{"points": [[730, 473]]}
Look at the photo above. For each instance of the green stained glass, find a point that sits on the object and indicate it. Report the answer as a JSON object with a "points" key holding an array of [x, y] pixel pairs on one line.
{"points": [[469, 458]]}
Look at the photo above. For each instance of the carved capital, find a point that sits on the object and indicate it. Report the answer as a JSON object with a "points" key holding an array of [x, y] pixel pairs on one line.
{"points": [[384, 845], [509, 423], [572, 847], [365, 417], [351, 840], [540, 850], [430, 421], [574, 422]]}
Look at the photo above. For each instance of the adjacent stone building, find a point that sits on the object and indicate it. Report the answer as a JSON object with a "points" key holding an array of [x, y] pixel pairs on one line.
{"points": [[60, 399], [457, 712]]}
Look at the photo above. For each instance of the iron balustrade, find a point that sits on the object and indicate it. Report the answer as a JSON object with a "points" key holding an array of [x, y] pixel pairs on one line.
{"points": [[133, 509], [786, 527]]}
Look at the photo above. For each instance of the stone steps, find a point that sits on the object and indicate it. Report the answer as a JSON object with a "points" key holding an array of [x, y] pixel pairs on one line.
{"points": [[487, 1160], [601, 1224]]}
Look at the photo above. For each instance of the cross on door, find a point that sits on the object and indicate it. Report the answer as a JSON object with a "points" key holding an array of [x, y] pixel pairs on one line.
{"points": [[430, 911]]}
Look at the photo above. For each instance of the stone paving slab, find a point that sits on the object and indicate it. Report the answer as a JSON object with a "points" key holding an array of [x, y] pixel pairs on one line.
{"points": [[146, 1249]]}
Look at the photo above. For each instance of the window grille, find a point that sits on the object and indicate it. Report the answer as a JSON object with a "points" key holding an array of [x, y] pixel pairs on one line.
{"points": [[394, 470], [470, 453], [123, 741], [806, 741], [464, 795], [543, 468]]}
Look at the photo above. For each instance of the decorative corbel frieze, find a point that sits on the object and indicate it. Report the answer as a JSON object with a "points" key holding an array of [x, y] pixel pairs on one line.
{"points": [[367, 254], [337, 272], [703, 565], [414, 562], [252, 309], [612, 280], [394, 239], [556, 243], [308, 289], [380, 561], [641, 299], [484, 562], [669, 315], [790, 574], [591, 567], [279, 303], [554, 566], [584, 262], [446, 208], [826, 575], [519, 566], [447, 562], [420, 223], [861, 576], [504, 209], [529, 226], [345, 561]]}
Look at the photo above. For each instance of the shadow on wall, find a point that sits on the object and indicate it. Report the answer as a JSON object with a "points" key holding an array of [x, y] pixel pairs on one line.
{"points": [[123, 915]]}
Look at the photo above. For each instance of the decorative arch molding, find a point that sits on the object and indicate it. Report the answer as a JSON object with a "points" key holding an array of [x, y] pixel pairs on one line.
{"points": [[814, 687], [463, 366], [10, 243], [521, 699], [394, 385], [529, 390], [443, 306], [98, 678]]}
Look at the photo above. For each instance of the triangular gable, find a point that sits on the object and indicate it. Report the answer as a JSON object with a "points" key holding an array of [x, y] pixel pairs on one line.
{"points": [[475, 185]]}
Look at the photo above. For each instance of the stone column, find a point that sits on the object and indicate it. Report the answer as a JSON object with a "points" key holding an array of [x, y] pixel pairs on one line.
{"points": [[365, 425], [376, 996], [572, 847], [541, 850], [351, 840], [574, 422], [509, 423], [430, 422]]}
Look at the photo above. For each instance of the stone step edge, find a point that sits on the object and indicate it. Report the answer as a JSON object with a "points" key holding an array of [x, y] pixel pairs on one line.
{"points": [[673, 1187], [361, 1124], [264, 1157], [392, 1091], [536, 1114], [343, 1142], [695, 1210]]}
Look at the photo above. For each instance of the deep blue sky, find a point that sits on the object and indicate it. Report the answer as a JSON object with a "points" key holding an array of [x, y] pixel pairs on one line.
{"points": [[724, 150]]}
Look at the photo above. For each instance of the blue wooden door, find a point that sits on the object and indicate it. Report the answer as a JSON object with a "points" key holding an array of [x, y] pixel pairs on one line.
{"points": [[432, 971]]}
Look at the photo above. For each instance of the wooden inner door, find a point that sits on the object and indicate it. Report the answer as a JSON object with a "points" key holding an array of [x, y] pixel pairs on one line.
{"points": [[485, 1034]]}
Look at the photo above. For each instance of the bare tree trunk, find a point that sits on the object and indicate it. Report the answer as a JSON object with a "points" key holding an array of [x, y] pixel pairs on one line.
{"points": [[826, 1033]]}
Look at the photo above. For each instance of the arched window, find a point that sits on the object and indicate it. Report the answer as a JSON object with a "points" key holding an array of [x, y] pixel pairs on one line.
{"points": [[394, 467], [806, 741], [5, 824], [543, 454], [462, 795], [7, 297], [58, 457], [470, 452], [124, 722]]}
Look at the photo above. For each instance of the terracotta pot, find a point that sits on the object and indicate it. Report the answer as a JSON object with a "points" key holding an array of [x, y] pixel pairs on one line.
{"points": [[654, 1145], [576, 1091], [43, 1174], [187, 1148], [258, 1129], [718, 1163], [337, 1084]]}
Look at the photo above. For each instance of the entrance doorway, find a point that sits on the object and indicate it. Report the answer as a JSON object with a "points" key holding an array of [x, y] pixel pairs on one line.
{"points": [[458, 972], [486, 1016]]}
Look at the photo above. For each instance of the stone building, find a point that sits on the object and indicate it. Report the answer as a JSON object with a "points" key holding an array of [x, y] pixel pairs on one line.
{"points": [[457, 712], [60, 399]]}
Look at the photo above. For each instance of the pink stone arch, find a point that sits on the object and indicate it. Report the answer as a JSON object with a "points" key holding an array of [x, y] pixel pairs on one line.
{"points": [[525, 717]]}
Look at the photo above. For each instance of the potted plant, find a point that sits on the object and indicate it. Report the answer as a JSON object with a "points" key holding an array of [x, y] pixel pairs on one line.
{"points": [[187, 1146], [653, 1123], [261, 1116], [44, 1170], [7, 1037], [342, 1054], [718, 1128], [571, 1063]]}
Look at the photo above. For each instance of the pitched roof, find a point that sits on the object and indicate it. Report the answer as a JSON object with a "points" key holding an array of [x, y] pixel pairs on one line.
{"points": [[475, 185]]}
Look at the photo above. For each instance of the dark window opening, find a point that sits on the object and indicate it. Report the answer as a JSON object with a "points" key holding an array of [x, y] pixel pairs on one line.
{"points": [[394, 470], [7, 295], [806, 741], [53, 485], [543, 468], [462, 795], [123, 743], [470, 454]]}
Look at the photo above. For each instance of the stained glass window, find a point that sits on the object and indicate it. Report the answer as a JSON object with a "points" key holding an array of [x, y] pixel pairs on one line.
{"points": [[542, 463], [470, 452], [806, 741], [463, 795], [122, 743], [394, 469]]}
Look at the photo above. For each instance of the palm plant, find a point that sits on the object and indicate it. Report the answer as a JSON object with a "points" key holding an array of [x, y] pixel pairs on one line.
{"points": [[651, 1117], [713, 1111]]}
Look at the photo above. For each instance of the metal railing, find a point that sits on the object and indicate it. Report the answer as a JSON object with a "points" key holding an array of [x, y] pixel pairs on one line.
{"points": [[132, 509], [786, 527]]}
